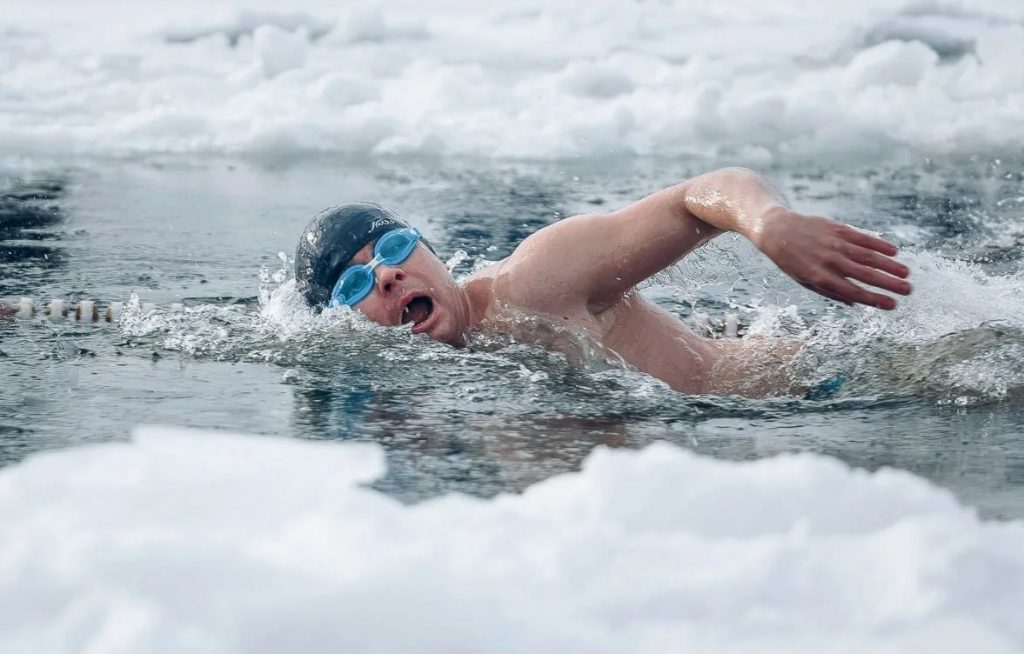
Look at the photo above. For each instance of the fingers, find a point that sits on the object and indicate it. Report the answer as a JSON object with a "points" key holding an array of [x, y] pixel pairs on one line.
{"points": [[870, 241], [873, 277], [830, 296], [875, 260], [851, 254], [850, 292]]}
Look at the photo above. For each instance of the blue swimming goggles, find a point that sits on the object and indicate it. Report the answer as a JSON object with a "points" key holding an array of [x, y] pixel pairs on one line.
{"points": [[356, 282]]}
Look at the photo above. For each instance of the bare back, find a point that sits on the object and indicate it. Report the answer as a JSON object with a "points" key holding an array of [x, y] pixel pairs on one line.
{"points": [[633, 330]]}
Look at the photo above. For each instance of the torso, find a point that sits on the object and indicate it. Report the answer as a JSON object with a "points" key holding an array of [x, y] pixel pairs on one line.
{"points": [[633, 330]]}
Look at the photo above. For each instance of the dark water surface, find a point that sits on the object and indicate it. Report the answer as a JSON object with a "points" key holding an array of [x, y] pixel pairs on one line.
{"points": [[936, 388]]}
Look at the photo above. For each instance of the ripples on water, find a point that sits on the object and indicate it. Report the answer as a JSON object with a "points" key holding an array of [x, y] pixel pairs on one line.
{"points": [[936, 387]]}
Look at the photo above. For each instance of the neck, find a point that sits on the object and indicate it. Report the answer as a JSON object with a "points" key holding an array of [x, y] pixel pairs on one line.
{"points": [[474, 300]]}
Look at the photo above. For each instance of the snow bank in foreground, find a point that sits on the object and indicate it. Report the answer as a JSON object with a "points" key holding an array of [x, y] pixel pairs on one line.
{"points": [[752, 80], [201, 542]]}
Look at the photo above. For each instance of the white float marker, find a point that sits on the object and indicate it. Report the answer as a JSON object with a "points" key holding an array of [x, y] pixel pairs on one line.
{"points": [[25, 309], [703, 323], [56, 310], [732, 325], [85, 312], [114, 311]]}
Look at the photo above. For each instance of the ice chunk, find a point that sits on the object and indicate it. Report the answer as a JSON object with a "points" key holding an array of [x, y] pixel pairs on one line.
{"points": [[893, 62], [278, 50]]}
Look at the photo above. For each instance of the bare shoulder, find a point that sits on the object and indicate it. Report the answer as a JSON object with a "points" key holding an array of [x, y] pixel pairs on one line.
{"points": [[535, 277], [568, 237]]}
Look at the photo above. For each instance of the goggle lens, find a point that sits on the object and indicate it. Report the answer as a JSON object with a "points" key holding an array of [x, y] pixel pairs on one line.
{"points": [[356, 282], [395, 247]]}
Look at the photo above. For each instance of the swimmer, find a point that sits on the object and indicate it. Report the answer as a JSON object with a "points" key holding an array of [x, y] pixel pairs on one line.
{"points": [[579, 275]]}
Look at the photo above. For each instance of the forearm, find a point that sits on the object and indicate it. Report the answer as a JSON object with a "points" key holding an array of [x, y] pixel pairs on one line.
{"points": [[819, 253], [732, 199]]}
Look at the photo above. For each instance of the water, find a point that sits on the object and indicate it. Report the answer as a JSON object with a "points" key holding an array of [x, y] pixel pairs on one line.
{"points": [[935, 388]]}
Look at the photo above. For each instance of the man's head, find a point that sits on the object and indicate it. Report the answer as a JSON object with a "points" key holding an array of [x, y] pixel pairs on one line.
{"points": [[419, 289]]}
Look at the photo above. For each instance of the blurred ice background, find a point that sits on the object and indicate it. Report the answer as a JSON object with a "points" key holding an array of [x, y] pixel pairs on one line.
{"points": [[749, 79]]}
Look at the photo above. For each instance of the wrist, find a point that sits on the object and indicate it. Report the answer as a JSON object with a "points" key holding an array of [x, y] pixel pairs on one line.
{"points": [[764, 221]]}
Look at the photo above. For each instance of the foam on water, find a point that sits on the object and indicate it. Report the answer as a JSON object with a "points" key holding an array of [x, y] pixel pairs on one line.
{"points": [[753, 82], [959, 335], [956, 339], [210, 542]]}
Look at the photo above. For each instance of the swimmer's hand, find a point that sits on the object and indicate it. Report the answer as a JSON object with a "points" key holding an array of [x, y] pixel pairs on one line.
{"points": [[824, 256]]}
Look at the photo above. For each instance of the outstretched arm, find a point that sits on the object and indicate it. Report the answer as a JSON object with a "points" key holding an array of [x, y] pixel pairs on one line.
{"points": [[615, 251], [821, 254]]}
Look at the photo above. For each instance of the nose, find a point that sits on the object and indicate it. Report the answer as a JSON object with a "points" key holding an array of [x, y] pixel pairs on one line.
{"points": [[387, 278]]}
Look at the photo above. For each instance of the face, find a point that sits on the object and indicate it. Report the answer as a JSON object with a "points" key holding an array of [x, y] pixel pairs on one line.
{"points": [[421, 291]]}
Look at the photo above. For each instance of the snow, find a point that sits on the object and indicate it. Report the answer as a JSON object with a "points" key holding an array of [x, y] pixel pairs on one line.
{"points": [[215, 542]]}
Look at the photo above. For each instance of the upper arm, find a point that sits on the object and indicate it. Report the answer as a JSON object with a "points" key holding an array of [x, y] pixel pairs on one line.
{"points": [[597, 258]]}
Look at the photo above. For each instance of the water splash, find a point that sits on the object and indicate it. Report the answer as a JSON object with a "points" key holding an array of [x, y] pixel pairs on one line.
{"points": [[268, 280], [958, 338]]}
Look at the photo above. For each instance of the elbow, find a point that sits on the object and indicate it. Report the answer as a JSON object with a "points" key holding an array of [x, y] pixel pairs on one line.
{"points": [[740, 171]]}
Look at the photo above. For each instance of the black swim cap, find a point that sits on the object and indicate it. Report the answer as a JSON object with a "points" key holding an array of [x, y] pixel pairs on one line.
{"points": [[331, 239]]}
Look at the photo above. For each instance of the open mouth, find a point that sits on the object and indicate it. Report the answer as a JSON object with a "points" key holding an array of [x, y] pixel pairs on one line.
{"points": [[417, 310]]}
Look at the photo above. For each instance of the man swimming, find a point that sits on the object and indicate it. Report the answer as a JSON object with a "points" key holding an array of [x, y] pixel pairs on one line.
{"points": [[579, 276]]}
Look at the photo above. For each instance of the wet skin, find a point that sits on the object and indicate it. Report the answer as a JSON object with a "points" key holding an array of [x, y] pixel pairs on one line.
{"points": [[577, 277]]}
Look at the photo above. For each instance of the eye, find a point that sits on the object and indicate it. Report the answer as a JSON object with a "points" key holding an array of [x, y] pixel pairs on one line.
{"points": [[354, 279]]}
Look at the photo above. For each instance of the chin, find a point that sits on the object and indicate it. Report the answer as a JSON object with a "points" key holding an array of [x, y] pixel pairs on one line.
{"points": [[445, 333], [442, 334]]}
